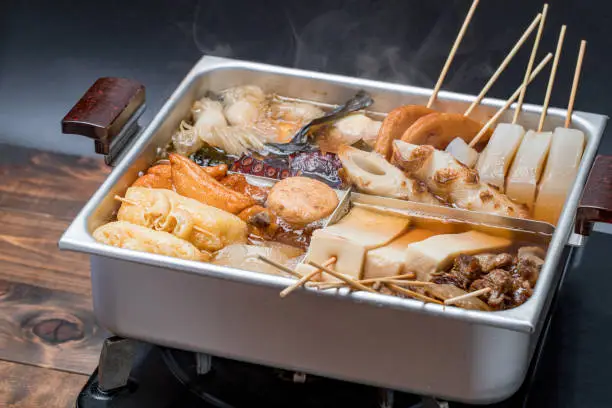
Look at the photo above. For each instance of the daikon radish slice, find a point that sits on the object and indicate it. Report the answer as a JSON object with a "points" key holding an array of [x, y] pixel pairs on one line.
{"points": [[495, 160], [349, 239], [437, 252], [462, 152], [559, 174], [527, 167], [389, 259]]}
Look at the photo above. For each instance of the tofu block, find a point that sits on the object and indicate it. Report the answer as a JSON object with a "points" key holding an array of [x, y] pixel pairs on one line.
{"points": [[389, 260], [496, 158], [349, 240], [349, 254], [559, 174], [462, 152], [527, 167], [435, 253], [370, 228]]}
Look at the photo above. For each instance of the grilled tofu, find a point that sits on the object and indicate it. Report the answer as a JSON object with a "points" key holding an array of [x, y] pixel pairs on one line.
{"points": [[349, 240], [389, 260], [437, 252]]}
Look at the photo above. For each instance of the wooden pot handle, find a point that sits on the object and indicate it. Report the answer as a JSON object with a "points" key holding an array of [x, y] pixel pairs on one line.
{"points": [[104, 112], [596, 202]]}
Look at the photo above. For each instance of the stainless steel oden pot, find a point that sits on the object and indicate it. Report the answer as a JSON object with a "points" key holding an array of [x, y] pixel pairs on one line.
{"points": [[402, 344]]}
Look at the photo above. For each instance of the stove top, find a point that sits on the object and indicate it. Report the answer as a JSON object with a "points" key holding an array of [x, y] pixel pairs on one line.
{"points": [[168, 378], [161, 377]]}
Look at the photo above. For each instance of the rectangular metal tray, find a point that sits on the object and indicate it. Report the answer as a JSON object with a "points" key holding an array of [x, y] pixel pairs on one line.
{"points": [[402, 344]]}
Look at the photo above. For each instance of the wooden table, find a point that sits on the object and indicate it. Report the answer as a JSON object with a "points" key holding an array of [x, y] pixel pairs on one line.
{"points": [[49, 341]]}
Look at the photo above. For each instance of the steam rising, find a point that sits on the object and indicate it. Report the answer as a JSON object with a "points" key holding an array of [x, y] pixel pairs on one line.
{"points": [[403, 42]]}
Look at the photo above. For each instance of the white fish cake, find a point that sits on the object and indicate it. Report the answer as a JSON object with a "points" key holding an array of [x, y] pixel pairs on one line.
{"points": [[496, 158], [437, 252], [527, 167], [122, 234], [559, 174]]}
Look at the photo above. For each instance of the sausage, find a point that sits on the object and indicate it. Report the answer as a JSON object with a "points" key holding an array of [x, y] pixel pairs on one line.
{"points": [[190, 180], [159, 176]]}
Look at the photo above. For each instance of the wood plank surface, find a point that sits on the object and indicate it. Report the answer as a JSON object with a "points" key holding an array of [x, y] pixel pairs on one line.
{"points": [[29, 253], [23, 386], [48, 328], [48, 334], [35, 181]]}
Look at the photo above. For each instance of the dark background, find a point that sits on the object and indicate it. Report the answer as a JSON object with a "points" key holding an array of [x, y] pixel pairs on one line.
{"points": [[51, 51]]}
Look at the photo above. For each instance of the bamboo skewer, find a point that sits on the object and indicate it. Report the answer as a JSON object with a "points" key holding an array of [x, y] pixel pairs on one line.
{"points": [[466, 296], [307, 277], [351, 282], [374, 281], [511, 100], [504, 64], [534, 52], [452, 53], [407, 282], [413, 294], [551, 78], [125, 200], [279, 266], [570, 105]]}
